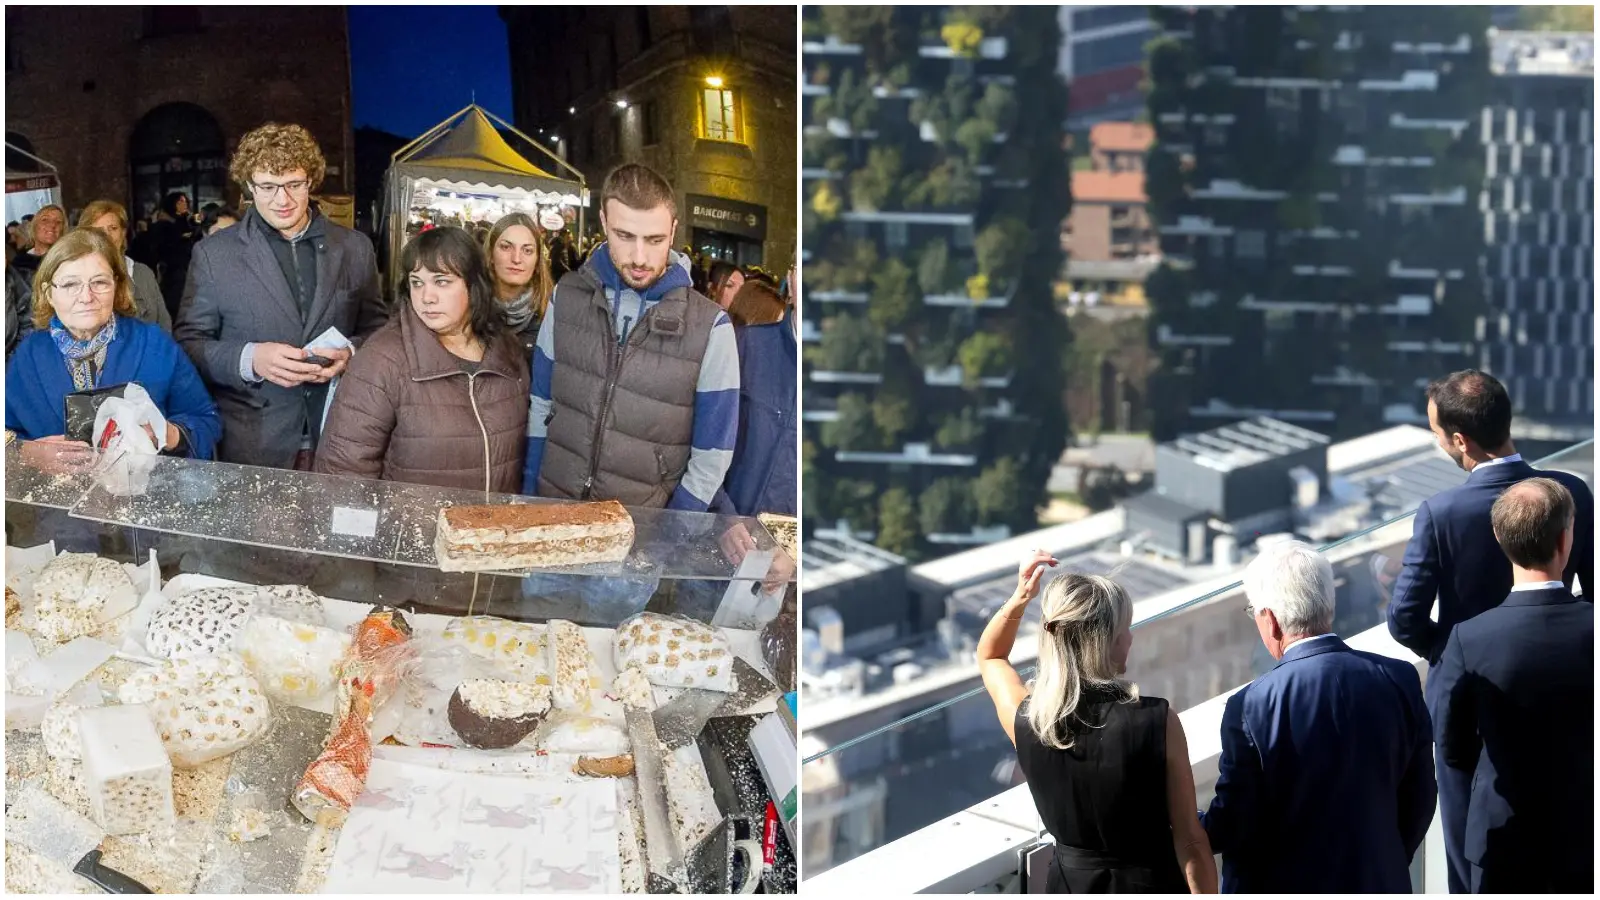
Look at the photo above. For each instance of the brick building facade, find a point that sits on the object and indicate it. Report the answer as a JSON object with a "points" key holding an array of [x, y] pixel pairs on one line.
{"points": [[131, 102], [705, 95]]}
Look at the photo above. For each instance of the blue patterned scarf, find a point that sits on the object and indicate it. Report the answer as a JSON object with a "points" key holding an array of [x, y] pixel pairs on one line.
{"points": [[84, 358]]}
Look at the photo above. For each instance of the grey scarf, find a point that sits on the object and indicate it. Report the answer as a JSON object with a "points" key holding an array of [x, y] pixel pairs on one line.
{"points": [[519, 311]]}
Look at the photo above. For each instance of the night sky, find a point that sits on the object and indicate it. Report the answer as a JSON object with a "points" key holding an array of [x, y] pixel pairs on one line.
{"points": [[413, 65]]}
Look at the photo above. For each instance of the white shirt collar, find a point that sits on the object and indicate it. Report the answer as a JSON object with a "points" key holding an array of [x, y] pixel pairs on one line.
{"points": [[1308, 639], [1537, 586], [1515, 457]]}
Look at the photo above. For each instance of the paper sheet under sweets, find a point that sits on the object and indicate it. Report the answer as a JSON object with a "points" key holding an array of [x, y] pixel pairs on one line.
{"points": [[421, 830]]}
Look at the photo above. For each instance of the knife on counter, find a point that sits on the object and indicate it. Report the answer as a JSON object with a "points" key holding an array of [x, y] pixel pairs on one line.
{"points": [[54, 830]]}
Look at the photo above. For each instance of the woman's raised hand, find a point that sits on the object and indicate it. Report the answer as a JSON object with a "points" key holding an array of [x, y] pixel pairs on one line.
{"points": [[1031, 572]]}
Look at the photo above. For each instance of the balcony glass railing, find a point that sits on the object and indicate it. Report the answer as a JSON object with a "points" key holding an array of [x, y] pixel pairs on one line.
{"points": [[874, 774]]}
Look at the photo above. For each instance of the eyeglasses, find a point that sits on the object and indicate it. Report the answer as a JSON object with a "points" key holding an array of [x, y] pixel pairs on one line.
{"points": [[74, 289], [270, 191]]}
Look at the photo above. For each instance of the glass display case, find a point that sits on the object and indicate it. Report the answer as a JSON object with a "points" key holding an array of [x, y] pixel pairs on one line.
{"points": [[361, 543]]}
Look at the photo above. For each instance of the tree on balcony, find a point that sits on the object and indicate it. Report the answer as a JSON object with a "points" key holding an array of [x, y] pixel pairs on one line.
{"points": [[894, 415], [874, 186], [897, 523], [945, 506], [997, 498], [933, 267], [850, 343], [814, 499], [892, 295], [984, 355], [825, 202], [963, 38], [958, 431], [856, 501], [999, 248], [854, 429]]}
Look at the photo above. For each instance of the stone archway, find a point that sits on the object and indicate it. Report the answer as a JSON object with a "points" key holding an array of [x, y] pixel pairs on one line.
{"points": [[176, 147]]}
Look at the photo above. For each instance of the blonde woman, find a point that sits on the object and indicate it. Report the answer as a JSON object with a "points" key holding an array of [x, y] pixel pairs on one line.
{"points": [[520, 264], [1108, 769], [112, 219]]}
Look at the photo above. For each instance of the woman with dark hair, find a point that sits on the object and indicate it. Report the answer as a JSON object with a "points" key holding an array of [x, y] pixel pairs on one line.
{"points": [[723, 281], [520, 263], [439, 395], [1108, 769], [172, 240]]}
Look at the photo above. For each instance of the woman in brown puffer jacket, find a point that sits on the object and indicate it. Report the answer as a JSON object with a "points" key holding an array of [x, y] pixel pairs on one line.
{"points": [[439, 395]]}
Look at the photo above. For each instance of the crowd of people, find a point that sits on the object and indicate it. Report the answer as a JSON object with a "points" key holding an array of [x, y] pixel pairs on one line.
{"points": [[283, 352], [1333, 762]]}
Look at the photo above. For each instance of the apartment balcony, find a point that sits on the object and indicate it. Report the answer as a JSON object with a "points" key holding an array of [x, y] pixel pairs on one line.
{"points": [[926, 797]]}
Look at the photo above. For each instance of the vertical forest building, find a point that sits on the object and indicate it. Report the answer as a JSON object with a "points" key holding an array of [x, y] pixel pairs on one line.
{"points": [[1315, 183], [934, 185]]}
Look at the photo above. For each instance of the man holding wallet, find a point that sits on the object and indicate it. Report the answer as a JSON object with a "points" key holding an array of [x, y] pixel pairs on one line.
{"points": [[263, 298]]}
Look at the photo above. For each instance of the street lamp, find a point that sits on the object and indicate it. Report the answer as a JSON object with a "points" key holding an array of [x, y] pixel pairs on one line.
{"points": [[572, 110], [622, 104], [714, 81]]}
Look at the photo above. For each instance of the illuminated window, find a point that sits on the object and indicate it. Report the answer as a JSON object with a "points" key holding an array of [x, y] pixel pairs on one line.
{"points": [[719, 117]]}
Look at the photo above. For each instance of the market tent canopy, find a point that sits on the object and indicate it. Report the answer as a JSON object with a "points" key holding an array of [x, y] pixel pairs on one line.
{"points": [[31, 183], [472, 152]]}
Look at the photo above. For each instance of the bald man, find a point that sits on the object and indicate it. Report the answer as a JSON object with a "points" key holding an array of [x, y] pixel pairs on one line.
{"points": [[1515, 718]]}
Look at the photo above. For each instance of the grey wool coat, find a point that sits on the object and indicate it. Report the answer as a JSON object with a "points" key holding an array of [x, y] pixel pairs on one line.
{"points": [[237, 293]]}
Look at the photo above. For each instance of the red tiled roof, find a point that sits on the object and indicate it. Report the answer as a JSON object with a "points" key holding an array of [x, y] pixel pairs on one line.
{"points": [[1108, 187], [1116, 137]]}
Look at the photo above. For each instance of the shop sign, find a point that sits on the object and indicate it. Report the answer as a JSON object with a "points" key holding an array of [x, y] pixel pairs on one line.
{"points": [[34, 183], [743, 219], [338, 208]]}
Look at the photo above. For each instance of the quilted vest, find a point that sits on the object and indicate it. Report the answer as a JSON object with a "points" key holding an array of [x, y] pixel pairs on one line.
{"points": [[622, 418]]}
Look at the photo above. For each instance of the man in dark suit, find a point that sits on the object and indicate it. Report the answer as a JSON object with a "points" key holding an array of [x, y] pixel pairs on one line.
{"points": [[1516, 692], [1325, 783], [1453, 554], [259, 292]]}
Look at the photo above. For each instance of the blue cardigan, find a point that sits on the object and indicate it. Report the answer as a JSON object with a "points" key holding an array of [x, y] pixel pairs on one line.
{"points": [[38, 382]]}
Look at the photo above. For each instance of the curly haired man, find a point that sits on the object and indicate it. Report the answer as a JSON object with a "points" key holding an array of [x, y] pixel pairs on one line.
{"points": [[258, 293]]}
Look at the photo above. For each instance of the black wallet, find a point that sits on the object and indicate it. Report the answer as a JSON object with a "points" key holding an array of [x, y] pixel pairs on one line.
{"points": [[83, 406]]}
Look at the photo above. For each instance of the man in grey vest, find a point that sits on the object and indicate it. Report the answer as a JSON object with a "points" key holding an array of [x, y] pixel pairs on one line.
{"points": [[259, 292], [642, 404]]}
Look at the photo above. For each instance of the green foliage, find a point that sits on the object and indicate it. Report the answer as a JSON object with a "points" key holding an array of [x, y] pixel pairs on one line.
{"points": [[933, 269], [856, 24], [897, 522], [958, 431], [1000, 246], [949, 185], [975, 136], [892, 295], [856, 501], [998, 106], [850, 343], [855, 428], [945, 506], [894, 416], [872, 187], [996, 495], [1556, 18], [983, 355]]}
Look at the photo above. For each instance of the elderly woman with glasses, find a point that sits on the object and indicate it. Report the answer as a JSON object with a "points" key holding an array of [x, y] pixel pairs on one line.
{"points": [[90, 338]]}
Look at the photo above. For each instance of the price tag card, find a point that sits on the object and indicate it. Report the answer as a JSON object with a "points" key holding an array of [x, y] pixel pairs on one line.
{"points": [[361, 523]]}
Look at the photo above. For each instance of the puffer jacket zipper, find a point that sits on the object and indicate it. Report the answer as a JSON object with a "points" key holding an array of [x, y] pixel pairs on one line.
{"points": [[472, 396], [616, 354]]}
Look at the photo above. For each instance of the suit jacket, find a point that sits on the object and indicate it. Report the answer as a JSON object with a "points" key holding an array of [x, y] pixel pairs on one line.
{"points": [[236, 293], [1325, 783], [1516, 715], [1454, 556]]}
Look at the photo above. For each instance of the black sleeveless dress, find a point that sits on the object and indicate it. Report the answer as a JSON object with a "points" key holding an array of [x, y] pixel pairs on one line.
{"points": [[1105, 800]]}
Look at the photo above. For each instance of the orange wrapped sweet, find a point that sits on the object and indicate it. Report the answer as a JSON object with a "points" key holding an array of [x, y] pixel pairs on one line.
{"points": [[367, 677]]}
